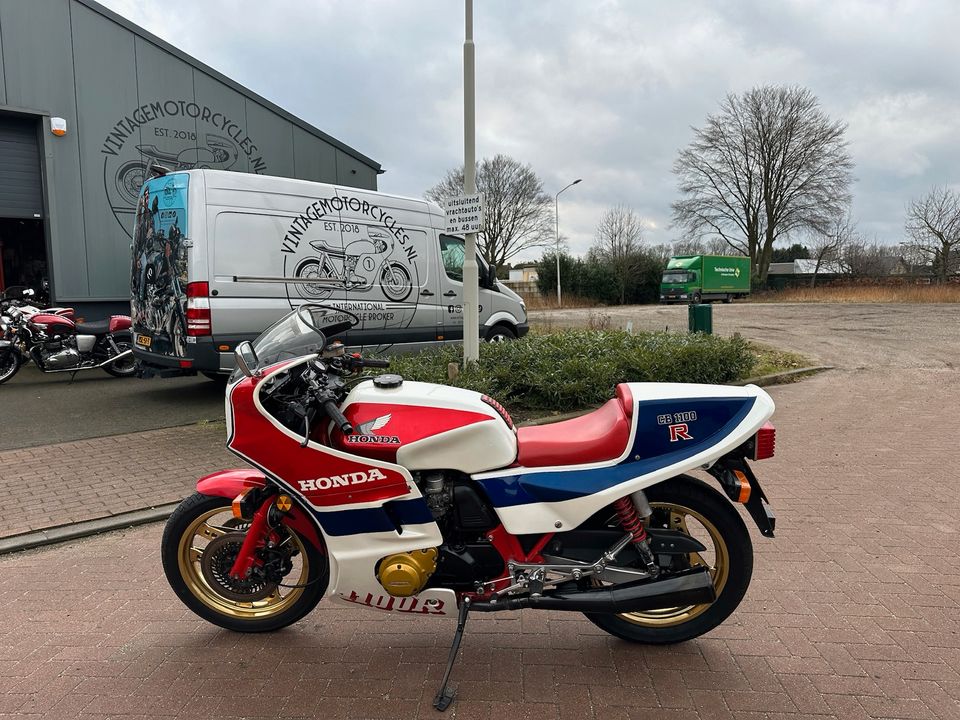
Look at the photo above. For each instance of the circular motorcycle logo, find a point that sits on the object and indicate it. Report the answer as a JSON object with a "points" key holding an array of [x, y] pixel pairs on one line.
{"points": [[177, 135]]}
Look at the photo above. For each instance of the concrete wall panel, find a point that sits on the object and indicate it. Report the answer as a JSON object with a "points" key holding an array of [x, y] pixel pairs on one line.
{"points": [[351, 171], [226, 106], [313, 158], [38, 71], [108, 126], [273, 138]]}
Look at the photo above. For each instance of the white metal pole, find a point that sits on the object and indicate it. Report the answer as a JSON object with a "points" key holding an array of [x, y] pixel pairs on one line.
{"points": [[556, 216], [471, 280]]}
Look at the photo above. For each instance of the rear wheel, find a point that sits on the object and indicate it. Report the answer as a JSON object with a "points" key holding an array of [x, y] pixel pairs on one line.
{"points": [[126, 366], [200, 543], [687, 504]]}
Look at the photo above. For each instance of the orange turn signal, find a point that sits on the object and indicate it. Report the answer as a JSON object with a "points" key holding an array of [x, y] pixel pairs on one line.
{"points": [[744, 486]]}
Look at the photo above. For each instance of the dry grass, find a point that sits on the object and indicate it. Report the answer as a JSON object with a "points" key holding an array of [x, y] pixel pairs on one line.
{"points": [[549, 302], [949, 293]]}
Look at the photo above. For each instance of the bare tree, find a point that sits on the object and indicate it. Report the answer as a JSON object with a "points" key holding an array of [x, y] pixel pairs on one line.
{"points": [[862, 259], [829, 248], [768, 164], [933, 223], [618, 245], [518, 213]]}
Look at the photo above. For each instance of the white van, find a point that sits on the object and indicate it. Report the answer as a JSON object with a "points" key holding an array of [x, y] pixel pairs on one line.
{"points": [[218, 256]]}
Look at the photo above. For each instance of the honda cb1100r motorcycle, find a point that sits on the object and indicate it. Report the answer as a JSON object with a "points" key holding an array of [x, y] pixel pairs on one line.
{"points": [[423, 499]]}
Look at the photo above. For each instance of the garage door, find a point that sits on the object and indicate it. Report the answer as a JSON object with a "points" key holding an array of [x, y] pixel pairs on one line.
{"points": [[21, 195]]}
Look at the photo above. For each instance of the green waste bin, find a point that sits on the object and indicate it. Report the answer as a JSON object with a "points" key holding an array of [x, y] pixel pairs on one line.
{"points": [[700, 318]]}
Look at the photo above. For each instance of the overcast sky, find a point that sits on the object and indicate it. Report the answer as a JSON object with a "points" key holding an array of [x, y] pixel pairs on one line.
{"points": [[596, 89]]}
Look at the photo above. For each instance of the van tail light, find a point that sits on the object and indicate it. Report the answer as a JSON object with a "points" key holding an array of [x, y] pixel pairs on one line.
{"points": [[765, 442], [198, 309]]}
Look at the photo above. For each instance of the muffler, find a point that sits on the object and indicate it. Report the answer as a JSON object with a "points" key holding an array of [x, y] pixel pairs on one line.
{"points": [[693, 587]]}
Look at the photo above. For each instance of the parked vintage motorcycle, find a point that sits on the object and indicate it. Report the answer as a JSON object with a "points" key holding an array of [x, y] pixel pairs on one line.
{"points": [[56, 343], [424, 499]]}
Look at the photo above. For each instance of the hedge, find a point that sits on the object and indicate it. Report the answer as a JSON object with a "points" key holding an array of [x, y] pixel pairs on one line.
{"points": [[574, 369]]}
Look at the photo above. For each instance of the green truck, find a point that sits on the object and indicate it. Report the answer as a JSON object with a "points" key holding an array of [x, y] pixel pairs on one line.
{"points": [[696, 278]]}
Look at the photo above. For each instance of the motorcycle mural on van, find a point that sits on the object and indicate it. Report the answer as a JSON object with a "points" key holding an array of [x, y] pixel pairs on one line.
{"points": [[159, 278], [362, 264]]}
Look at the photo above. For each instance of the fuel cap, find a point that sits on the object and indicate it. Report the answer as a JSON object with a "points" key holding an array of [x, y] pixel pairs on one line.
{"points": [[390, 380]]}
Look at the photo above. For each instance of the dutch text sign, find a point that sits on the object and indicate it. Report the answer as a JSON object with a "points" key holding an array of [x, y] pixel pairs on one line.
{"points": [[464, 214]]}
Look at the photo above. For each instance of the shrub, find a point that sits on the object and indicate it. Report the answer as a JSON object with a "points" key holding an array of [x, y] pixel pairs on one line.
{"points": [[579, 368]]}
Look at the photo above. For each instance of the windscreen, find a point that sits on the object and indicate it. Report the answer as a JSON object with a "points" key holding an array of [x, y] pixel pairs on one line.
{"points": [[676, 276], [301, 332]]}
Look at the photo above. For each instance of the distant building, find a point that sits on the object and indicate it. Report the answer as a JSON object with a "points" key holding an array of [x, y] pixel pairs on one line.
{"points": [[524, 273]]}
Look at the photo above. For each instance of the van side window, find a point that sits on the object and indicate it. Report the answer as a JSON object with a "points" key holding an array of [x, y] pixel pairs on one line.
{"points": [[452, 253]]}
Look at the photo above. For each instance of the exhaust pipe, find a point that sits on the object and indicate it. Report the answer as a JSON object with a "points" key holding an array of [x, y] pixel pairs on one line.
{"points": [[693, 587]]}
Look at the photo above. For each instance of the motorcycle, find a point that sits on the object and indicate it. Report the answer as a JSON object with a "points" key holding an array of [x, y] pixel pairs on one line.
{"points": [[426, 500], [56, 343]]}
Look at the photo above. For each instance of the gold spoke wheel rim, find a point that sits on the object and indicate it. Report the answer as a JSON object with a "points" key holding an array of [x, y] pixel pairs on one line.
{"points": [[719, 569], [189, 556]]}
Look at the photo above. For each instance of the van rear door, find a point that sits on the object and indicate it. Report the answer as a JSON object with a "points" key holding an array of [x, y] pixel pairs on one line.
{"points": [[159, 261]]}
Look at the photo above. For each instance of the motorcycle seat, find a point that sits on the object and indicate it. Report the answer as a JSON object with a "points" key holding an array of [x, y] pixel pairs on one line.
{"points": [[597, 436], [94, 328]]}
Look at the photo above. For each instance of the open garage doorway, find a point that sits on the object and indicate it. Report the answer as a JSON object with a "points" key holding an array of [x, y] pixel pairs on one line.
{"points": [[23, 254], [23, 250]]}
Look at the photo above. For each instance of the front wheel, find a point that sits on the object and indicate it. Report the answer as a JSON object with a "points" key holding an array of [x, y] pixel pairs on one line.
{"points": [[200, 543], [693, 507], [9, 365]]}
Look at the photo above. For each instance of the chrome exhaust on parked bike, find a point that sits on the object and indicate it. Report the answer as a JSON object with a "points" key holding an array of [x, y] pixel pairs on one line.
{"points": [[109, 361], [693, 587]]}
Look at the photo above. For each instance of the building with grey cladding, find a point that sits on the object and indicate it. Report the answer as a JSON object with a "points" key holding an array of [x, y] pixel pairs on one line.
{"points": [[127, 97]]}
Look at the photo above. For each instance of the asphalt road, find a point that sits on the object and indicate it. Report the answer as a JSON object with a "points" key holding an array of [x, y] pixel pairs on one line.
{"points": [[40, 409]]}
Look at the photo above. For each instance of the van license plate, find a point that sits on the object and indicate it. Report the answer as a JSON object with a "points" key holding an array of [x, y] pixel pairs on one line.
{"points": [[144, 340]]}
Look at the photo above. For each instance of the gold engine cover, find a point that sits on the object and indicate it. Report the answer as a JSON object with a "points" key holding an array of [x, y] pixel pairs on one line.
{"points": [[405, 574]]}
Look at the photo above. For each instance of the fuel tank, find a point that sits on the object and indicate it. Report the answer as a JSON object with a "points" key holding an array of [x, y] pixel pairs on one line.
{"points": [[55, 324], [428, 427]]}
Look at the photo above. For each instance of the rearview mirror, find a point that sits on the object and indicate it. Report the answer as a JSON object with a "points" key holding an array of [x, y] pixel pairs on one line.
{"points": [[491, 279], [246, 358]]}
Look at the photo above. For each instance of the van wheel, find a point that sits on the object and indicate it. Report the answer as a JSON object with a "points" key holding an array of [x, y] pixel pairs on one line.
{"points": [[500, 333]]}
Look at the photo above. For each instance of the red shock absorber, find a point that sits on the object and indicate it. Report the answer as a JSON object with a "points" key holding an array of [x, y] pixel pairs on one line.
{"points": [[630, 519]]}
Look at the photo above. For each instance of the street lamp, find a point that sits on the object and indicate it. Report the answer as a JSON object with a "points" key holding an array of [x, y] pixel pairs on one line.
{"points": [[556, 215]]}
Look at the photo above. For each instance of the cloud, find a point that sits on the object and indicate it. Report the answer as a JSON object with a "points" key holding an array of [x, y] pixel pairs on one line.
{"points": [[605, 90]]}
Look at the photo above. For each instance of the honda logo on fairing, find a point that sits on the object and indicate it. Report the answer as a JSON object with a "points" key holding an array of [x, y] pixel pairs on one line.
{"points": [[356, 478], [365, 433]]}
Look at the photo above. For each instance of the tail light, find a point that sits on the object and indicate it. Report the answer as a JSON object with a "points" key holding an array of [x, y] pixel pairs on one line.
{"points": [[198, 309], [764, 442]]}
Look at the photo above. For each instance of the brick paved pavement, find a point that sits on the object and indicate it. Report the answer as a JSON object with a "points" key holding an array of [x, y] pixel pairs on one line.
{"points": [[854, 611], [68, 482]]}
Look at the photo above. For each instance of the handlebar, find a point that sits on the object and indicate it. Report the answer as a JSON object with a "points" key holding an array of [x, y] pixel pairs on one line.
{"points": [[333, 412], [374, 363]]}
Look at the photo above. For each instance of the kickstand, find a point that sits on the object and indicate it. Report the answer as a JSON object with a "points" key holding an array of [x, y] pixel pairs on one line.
{"points": [[72, 376], [445, 695]]}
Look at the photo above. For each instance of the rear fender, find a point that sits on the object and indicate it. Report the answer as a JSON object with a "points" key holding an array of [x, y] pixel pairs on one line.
{"points": [[230, 483], [119, 323]]}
